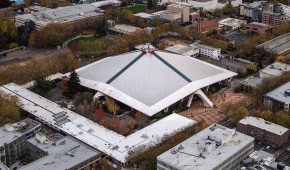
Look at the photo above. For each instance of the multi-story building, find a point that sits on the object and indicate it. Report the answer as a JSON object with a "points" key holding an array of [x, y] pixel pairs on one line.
{"points": [[57, 152], [183, 10], [215, 147], [208, 51], [264, 131], [252, 11], [206, 26], [274, 19], [23, 141], [13, 137], [279, 98]]}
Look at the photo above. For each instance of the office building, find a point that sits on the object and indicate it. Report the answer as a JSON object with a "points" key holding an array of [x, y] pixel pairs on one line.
{"points": [[215, 147], [264, 131], [12, 140]]}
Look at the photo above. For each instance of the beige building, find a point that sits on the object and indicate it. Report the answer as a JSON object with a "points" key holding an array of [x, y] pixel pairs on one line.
{"points": [[170, 16], [183, 10]]}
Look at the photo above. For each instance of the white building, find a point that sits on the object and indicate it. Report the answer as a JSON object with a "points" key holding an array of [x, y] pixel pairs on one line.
{"points": [[215, 147], [183, 50], [274, 69], [143, 79], [66, 14], [231, 23], [105, 140], [211, 52]]}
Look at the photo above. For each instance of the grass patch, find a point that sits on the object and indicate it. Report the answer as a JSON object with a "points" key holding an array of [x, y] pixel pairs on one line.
{"points": [[137, 8], [76, 41]]}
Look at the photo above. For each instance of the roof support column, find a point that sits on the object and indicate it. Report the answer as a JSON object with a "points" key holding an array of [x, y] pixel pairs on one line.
{"points": [[205, 99], [190, 100]]}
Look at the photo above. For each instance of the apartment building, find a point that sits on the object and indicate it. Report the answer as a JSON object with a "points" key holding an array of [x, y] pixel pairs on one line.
{"points": [[264, 131], [252, 11], [206, 26], [208, 51], [279, 98], [274, 19], [215, 147]]}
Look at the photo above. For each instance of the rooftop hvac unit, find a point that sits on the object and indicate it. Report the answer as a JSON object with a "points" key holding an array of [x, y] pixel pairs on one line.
{"points": [[41, 138], [287, 93], [9, 127]]}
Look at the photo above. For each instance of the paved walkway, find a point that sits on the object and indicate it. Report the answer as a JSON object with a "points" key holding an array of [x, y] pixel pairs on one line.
{"points": [[198, 112]]}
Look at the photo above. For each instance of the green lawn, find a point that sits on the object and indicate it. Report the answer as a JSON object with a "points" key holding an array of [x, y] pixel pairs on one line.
{"points": [[75, 41], [137, 8]]}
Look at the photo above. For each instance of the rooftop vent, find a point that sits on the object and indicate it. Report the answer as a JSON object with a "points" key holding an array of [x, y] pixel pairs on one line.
{"points": [[9, 127], [173, 152], [287, 92]]}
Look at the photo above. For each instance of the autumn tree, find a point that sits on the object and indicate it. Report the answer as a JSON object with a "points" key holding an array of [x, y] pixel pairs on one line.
{"points": [[282, 118], [9, 109], [239, 114], [63, 85], [32, 38], [73, 83], [112, 105]]}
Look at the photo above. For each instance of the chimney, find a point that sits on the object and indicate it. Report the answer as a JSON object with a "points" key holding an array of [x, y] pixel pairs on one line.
{"points": [[199, 25]]}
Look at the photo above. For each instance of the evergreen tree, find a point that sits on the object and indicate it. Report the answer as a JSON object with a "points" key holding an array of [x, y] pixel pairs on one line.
{"points": [[73, 83]]}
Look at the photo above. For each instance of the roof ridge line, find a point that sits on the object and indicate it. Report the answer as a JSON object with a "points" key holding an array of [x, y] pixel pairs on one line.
{"points": [[172, 67], [124, 68]]}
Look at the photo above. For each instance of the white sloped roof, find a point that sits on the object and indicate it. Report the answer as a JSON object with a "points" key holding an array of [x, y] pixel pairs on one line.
{"points": [[91, 133], [150, 82]]}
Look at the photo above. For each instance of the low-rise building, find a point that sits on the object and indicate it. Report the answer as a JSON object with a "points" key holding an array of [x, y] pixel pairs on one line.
{"points": [[76, 15], [215, 147], [12, 140], [264, 131], [183, 50], [208, 51], [275, 69], [121, 29], [231, 23], [256, 27], [279, 98], [249, 84]]}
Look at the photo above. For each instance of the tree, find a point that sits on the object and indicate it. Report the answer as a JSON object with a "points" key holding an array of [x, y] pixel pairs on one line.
{"points": [[228, 9], [88, 97], [239, 114], [73, 83], [151, 4], [41, 86], [282, 119], [32, 38], [9, 109], [112, 105], [14, 7], [63, 85], [250, 69], [267, 115], [101, 28]]}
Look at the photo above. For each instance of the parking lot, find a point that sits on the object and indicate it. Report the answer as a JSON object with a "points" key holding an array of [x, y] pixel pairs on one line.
{"points": [[232, 65]]}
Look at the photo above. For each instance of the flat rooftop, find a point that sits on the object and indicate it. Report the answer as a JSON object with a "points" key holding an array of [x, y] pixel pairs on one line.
{"points": [[123, 28], [204, 46], [144, 15], [106, 2], [263, 124], [252, 81], [57, 158], [278, 45], [9, 132], [233, 22], [201, 152], [279, 94], [276, 69], [91, 133], [180, 49], [61, 14], [143, 80]]}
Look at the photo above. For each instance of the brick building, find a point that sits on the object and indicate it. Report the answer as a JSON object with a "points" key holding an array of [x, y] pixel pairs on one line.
{"points": [[264, 131], [206, 26], [274, 19]]}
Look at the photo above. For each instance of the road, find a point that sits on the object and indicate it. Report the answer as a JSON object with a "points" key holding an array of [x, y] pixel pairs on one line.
{"points": [[29, 53]]}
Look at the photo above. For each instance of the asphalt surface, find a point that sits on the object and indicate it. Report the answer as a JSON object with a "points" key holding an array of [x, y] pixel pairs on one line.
{"points": [[29, 53]]}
